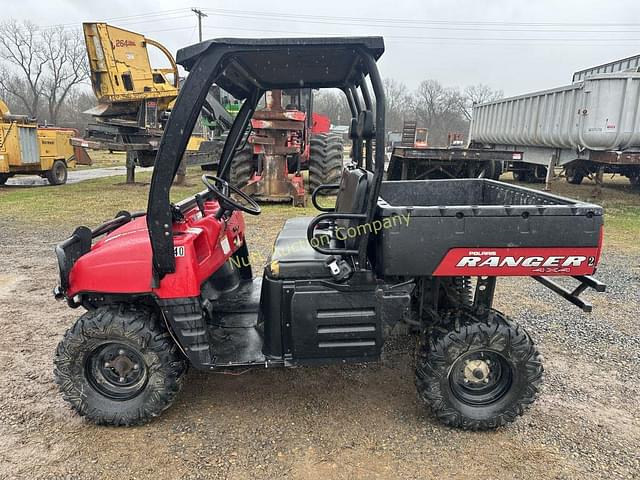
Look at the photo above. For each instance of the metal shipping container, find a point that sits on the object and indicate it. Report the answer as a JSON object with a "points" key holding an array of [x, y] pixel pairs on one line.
{"points": [[600, 113]]}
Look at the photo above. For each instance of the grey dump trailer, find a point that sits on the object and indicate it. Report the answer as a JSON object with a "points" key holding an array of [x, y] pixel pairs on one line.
{"points": [[591, 126]]}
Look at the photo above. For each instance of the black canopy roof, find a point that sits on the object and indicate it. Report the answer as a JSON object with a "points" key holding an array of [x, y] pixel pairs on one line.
{"points": [[281, 63]]}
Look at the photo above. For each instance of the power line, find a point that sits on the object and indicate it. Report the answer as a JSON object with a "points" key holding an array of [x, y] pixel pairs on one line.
{"points": [[200, 16], [125, 19], [407, 21]]}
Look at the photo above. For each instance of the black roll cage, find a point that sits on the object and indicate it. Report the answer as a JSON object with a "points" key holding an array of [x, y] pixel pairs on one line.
{"points": [[247, 68]]}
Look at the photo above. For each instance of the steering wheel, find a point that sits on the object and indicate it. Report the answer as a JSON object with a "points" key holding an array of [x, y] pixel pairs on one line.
{"points": [[222, 190]]}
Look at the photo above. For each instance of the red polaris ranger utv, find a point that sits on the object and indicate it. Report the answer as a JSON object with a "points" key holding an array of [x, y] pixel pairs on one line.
{"points": [[173, 286]]}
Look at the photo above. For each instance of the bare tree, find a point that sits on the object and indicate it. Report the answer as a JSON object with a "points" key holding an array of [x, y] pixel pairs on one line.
{"points": [[71, 112], [438, 108], [333, 104], [40, 66], [22, 68], [399, 103], [479, 93], [66, 67]]}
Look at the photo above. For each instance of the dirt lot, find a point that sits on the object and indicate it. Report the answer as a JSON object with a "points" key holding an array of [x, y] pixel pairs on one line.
{"points": [[331, 422]]}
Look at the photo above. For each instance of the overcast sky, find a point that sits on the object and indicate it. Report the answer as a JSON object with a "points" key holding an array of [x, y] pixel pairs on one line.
{"points": [[514, 45]]}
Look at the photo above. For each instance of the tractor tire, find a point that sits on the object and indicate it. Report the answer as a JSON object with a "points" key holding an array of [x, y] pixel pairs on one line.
{"points": [[3, 178], [58, 173], [479, 372], [119, 366], [242, 167], [574, 175], [326, 159]]}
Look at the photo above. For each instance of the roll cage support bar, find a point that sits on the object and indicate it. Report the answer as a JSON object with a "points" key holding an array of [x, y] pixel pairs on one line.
{"points": [[208, 67]]}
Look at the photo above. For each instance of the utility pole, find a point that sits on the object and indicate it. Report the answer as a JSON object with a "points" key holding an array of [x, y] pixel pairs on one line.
{"points": [[200, 14]]}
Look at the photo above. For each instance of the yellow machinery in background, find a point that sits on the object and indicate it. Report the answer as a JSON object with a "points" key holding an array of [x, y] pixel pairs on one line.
{"points": [[122, 77], [135, 99], [28, 149]]}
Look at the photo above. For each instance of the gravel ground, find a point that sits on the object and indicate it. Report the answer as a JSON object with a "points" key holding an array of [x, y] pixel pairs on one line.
{"points": [[330, 422]]}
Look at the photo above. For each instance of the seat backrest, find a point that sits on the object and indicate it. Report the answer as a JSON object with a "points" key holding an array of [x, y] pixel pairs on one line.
{"points": [[366, 125], [352, 198]]}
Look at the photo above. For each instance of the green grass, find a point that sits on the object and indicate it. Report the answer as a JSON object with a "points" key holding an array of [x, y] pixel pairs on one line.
{"points": [[103, 159], [94, 201]]}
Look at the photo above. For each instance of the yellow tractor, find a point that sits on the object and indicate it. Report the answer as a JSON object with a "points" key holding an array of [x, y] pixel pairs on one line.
{"points": [[26, 149]]}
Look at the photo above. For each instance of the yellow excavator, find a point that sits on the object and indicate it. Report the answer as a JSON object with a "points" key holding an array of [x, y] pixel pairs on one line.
{"points": [[26, 149], [135, 100]]}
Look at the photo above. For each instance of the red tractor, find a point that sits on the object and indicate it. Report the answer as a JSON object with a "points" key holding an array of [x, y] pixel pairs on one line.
{"points": [[288, 137]]}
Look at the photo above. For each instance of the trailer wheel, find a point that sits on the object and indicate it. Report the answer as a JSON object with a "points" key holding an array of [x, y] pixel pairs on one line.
{"points": [[118, 366], [539, 174], [479, 372], [574, 175], [3, 178], [490, 169], [634, 179], [521, 176], [58, 173], [325, 160]]}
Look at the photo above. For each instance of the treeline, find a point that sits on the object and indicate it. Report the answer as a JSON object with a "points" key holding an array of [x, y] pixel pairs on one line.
{"points": [[438, 108], [44, 74]]}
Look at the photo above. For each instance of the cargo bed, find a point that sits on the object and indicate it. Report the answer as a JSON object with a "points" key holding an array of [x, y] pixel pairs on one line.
{"points": [[448, 220]]}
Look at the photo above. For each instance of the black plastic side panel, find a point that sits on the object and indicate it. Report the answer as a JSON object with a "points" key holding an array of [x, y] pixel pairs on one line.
{"points": [[270, 316], [330, 324]]}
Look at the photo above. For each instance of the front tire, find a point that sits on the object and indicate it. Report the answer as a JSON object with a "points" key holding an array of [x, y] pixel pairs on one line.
{"points": [[478, 372], [119, 366]]}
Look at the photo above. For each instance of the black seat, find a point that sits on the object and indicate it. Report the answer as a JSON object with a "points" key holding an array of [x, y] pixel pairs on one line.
{"points": [[294, 255]]}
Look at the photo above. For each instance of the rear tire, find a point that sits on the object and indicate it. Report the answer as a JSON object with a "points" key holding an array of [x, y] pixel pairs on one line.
{"points": [[3, 178], [326, 159], [119, 366], [634, 180], [58, 173], [478, 372]]}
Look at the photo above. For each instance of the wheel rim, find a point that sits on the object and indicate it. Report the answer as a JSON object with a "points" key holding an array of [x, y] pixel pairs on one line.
{"points": [[481, 377], [116, 371], [59, 173]]}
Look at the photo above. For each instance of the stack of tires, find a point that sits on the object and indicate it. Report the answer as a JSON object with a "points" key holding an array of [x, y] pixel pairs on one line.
{"points": [[326, 159]]}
